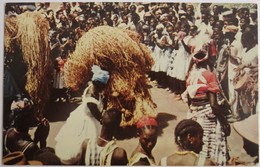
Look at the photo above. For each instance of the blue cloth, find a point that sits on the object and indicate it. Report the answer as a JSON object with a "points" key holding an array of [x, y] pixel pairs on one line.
{"points": [[99, 74]]}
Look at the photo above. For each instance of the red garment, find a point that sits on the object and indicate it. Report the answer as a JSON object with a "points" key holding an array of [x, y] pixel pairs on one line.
{"points": [[146, 120], [211, 83], [61, 62], [212, 49]]}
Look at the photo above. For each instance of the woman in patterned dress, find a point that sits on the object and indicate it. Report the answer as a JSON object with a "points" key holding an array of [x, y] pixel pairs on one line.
{"points": [[202, 89]]}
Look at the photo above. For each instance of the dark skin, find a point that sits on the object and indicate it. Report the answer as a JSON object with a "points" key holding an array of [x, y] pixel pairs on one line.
{"points": [[17, 137], [190, 160], [147, 141], [196, 147], [211, 96], [248, 42], [98, 87], [119, 155], [188, 143]]}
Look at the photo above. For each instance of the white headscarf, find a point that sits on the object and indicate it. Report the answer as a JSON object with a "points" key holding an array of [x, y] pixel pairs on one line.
{"points": [[99, 74]]}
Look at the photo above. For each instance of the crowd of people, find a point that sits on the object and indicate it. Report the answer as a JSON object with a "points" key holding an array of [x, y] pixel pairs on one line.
{"points": [[204, 53]]}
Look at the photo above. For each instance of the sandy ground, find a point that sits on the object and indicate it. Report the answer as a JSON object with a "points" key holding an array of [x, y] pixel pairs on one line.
{"points": [[170, 112]]}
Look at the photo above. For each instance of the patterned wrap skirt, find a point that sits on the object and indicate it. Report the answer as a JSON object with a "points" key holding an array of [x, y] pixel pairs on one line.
{"points": [[215, 143]]}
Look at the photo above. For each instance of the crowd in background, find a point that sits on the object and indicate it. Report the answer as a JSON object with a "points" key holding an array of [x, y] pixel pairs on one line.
{"points": [[174, 32]]}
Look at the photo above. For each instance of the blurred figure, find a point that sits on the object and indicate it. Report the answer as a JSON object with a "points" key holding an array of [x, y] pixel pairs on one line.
{"points": [[18, 158], [248, 130], [135, 24], [17, 137], [47, 156], [248, 67]]}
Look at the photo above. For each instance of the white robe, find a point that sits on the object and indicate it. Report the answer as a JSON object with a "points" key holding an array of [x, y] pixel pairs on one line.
{"points": [[80, 125]]}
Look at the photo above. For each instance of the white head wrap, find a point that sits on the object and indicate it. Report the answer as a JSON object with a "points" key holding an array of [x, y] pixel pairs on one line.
{"points": [[99, 74]]}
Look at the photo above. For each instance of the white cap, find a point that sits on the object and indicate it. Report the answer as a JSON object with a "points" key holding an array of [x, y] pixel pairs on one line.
{"points": [[226, 13]]}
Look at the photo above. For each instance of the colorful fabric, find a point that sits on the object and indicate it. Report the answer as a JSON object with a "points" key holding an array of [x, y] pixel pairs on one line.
{"points": [[215, 143], [99, 156], [201, 81], [144, 121]]}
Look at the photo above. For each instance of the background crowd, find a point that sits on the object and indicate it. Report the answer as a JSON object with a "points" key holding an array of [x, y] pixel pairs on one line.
{"points": [[174, 32]]}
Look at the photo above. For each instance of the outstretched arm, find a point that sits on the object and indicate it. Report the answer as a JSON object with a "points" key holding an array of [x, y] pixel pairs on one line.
{"points": [[186, 47]]}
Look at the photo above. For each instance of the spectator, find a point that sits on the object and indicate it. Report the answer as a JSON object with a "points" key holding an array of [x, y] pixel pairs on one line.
{"points": [[248, 130], [47, 156], [17, 137], [51, 19], [124, 22], [147, 132], [18, 158], [135, 25], [116, 20], [188, 137], [202, 88], [249, 63]]}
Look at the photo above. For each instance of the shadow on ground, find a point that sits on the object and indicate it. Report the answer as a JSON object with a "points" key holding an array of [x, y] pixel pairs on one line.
{"points": [[60, 111], [163, 119]]}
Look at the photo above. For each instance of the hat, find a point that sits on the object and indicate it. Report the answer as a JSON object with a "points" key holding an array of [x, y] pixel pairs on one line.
{"points": [[99, 74], [227, 13], [80, 18], [147, 14], [248, 128], [146, 27], [158, 11], [146, 120], [200, 56], [164, 5], [18, 158], [181, 12], [252, 11], [230, 28], [163, 16], [129, 7], [140, 6], [159, 27]]}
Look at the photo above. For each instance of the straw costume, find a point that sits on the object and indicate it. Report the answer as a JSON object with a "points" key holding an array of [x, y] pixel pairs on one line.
{"points": [[81, 124], [127, 60], [28, 34]]}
